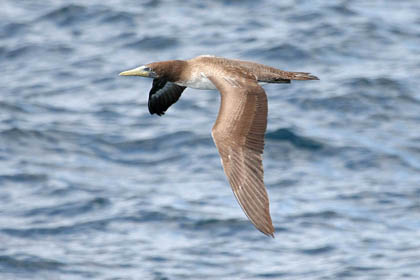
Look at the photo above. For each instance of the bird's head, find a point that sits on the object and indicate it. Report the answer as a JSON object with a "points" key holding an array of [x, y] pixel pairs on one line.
{"points": [[170, 70], [142, 71]]}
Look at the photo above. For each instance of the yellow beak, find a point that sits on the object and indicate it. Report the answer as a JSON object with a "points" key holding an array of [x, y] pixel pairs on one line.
{"points": [[139, 71]]}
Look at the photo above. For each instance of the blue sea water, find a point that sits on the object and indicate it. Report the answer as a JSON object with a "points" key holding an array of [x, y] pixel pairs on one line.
{"points": [[93, 187]]}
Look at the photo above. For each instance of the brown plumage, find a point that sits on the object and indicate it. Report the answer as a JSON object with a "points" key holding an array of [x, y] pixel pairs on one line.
{"points": [[241, 123]]}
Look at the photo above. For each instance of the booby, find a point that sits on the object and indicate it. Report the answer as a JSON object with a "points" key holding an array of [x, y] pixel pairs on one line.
{"points": [[241, 123]]}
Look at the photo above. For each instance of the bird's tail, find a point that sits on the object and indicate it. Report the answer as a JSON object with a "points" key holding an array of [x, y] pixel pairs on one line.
{"points": [[301, 76], [273, 75]]}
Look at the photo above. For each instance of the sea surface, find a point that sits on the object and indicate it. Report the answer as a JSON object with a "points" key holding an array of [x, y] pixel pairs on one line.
{"points": [[94, 187]]}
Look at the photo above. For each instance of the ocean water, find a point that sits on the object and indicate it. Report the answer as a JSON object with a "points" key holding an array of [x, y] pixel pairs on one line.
{"points": [[93, 187]]}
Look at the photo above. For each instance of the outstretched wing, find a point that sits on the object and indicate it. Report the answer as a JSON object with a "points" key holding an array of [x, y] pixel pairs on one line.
{"points": [[162, 95], [239, 136]]}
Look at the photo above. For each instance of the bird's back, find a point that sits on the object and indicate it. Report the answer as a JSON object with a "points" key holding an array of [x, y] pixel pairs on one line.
{"points": [[249, 69]]}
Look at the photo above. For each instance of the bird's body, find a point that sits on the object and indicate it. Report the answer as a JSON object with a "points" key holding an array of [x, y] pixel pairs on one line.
{"points": [[241, 123]]}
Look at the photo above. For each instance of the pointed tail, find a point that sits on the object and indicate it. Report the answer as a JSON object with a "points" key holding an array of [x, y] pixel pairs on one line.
{"points": [[302, 76]]}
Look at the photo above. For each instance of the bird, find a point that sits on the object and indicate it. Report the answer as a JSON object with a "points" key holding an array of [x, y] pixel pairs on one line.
{"points": [[239, 130]]}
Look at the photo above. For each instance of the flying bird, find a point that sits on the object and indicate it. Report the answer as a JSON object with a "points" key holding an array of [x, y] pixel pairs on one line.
{"points": [[241, 123]]}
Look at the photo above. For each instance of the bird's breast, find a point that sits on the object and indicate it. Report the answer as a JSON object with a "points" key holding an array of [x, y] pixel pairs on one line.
{"points": [[197, 81]]}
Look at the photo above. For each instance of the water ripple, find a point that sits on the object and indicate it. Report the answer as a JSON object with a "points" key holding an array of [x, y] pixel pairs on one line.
{"points": [[29, 263], [155, 42], [93, 187], [284, 134]]}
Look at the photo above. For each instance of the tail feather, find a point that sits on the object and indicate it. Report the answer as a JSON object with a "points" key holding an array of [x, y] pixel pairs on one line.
{"points": [[302, 76], [272, 75]]}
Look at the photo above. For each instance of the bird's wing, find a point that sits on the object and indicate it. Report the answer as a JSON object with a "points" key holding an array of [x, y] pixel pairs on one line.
{"points": [[162, 95], [239, 136]]}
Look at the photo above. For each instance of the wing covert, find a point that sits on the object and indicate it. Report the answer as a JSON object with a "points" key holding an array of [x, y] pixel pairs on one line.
{"points": [[239, 136]]}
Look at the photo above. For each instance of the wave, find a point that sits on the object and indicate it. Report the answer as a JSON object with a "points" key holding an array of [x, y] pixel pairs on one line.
{"points": [[153, 42], [287, 135], [24, 177], [67, 15], [70, 208], [24, 263], [286, 52]]}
